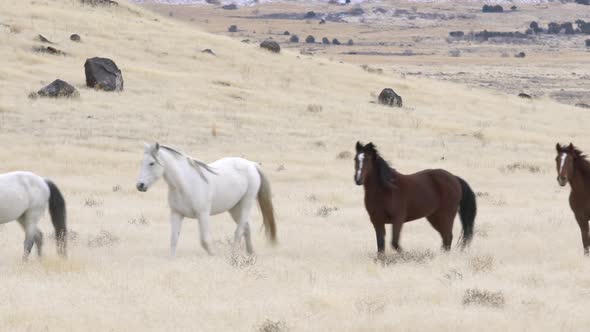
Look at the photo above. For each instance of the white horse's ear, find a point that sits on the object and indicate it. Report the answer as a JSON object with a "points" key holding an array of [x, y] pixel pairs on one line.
{"points": [[156, 146]]}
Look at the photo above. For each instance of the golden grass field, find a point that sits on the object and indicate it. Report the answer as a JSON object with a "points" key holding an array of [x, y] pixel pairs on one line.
{"points": [[247, 102]]}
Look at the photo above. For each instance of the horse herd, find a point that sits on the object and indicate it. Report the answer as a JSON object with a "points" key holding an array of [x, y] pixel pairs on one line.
{"points": [[199, 190]]}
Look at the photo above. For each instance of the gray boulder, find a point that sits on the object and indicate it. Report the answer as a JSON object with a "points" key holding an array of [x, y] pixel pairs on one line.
{"points": [[103, 74], [58, 88], [390, 98], [271, 45]]}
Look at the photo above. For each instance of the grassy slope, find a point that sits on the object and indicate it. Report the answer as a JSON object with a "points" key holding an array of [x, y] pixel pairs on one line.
{"points": [[321, 275]]}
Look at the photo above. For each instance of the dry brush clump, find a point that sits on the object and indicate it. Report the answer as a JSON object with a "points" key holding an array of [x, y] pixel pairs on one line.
{"points": [[272, 326], [314, 108], [483, 263], [140, 220], [325, 211], [92, 201], [411, 256], [483, 297], [344, 155], [520, 166], [370, 305], [103, 239]]}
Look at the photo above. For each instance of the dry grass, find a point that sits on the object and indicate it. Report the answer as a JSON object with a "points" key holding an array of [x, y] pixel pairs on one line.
{"points": [[321, 276], [483, 297]]}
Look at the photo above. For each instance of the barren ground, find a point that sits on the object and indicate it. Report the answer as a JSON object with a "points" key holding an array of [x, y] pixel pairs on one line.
{"points": [[247, 102]]}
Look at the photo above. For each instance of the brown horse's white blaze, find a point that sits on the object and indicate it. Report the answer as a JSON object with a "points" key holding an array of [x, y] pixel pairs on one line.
{"points": [[561, 174], [359, 168]]}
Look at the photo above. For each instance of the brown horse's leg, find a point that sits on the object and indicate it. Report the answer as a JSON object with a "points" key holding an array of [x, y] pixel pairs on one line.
{"points": [[444, 226], [583, 222], [380, 234], [396, 229]]}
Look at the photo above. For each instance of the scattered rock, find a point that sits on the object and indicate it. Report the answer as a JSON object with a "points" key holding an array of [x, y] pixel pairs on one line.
{"points": [[310, 14], [271, 45], [379, 10], [231, 6], [294, 39], [286, 33], [389, 97], [213, 2], [76, 38], [534, 25], [33, 95], [325, 41], [233, 28], [310, 39], [583, 105], [43, 39], [350, 42], [48, 50], [208, 51], [492, 9], [583, 2], [525, 96], [103, 74], [513, 8], [322, 21], [568, 28], [99, 2], [356, 11], [457, 34], [335, 41], [587, 42], [486, 35], [553, 28], [58, 88], [520, 55]]}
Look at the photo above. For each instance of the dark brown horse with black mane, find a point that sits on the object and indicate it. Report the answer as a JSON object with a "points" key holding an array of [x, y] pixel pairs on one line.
{"points": [[394, 198], [573, 167]]}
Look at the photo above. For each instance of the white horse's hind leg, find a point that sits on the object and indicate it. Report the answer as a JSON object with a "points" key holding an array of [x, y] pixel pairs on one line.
{"points": [[175, 226], [241, 213], [204, 230], [33, 235], [238, 215], [39, 242]]}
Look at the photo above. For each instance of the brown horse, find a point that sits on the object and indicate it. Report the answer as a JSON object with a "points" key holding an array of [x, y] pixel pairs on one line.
{"points": [[394, 198], [573, 167]]}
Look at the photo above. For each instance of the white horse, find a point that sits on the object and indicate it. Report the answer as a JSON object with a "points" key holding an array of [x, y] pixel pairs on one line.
{"points": [[25, 196], [198, 190]]}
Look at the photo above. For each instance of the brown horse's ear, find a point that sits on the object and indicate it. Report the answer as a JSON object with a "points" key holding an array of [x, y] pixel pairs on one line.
{"points": [[370, 149], [359, 146], [558, 147], [570, 148]]}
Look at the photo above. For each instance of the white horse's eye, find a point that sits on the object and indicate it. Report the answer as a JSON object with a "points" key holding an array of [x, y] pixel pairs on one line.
{"points": [[152, 164]]}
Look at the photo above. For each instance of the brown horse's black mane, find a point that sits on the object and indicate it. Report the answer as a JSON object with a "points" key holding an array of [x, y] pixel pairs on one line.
{"points": [[385, 172], [581, 162]]}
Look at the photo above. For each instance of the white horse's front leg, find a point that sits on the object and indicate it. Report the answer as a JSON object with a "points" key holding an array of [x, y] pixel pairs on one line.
{"points": [[175, 226], [204, 230]]}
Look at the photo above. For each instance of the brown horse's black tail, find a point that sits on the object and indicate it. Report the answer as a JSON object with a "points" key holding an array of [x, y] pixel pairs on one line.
{"points": [[467, 211], [57, 210]]}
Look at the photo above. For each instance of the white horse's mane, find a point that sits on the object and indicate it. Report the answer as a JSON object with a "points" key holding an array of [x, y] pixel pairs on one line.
{"points": [[196, 164]]}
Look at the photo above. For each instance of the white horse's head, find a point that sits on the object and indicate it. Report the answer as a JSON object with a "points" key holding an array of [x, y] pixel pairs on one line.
{"points": [[151, 167]]}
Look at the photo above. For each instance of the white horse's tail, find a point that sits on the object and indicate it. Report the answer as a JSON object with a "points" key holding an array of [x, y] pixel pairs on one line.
{"points": [[268, 212], [57, 210]]}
